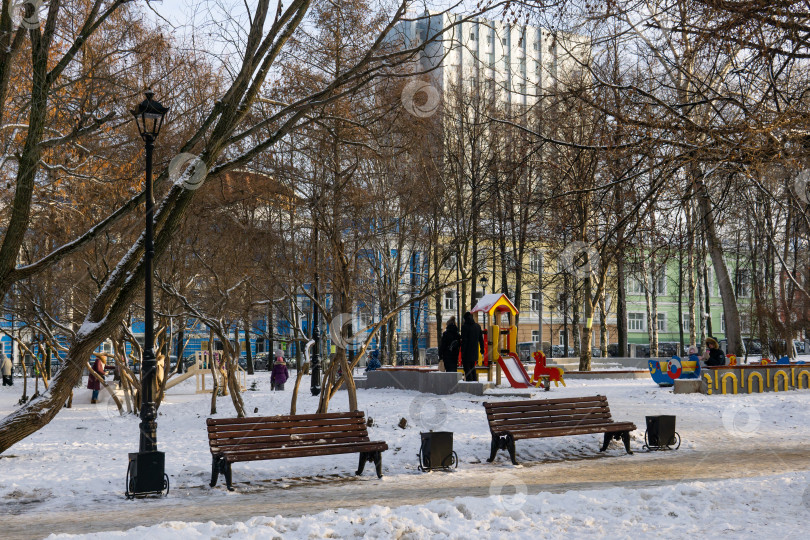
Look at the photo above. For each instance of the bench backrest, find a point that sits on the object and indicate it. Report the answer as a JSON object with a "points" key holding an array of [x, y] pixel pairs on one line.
{"points": [[268, 432], [547, 413]]}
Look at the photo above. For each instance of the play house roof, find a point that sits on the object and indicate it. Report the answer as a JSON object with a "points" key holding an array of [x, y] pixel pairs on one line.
{"points": [[490, 301]]}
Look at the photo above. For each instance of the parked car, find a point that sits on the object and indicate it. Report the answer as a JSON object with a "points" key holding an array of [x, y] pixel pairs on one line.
{"points": [[596, 352], [800, 345], [668, 349], [525, 351], [753, 346], [643, 351], [613, 350], [432, 356], [404, 358], [262, 362], [558, 351]]}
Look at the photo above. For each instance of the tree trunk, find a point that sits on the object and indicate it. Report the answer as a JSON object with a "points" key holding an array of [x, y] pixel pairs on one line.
{"points": [[248, 351]]}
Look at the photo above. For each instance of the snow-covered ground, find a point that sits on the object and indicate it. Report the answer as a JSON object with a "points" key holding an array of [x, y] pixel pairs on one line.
{"points": [[81, 457], [773, 506]]}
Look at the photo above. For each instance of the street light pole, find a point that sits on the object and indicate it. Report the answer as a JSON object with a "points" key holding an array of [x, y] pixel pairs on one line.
{"points": [[315, 361], [146, 474]]}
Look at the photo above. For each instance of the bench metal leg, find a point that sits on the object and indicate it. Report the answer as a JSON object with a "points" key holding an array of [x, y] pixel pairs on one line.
{"points": [[626, 441], [606, 442], [215, 467], [377, 456], [493, 448], [510, 446], [362, 464], [227, 472]]}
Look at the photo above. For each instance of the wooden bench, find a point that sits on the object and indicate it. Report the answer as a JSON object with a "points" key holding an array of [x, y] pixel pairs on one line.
{"points": [[290, 436], [531, 419]]}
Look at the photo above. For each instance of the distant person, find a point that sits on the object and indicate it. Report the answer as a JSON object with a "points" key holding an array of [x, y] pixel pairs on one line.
{"points": [[713, 356], [472, 340], [693, 354], [373, 362], [6, 370], [279, 375], [450, 345], [93, 383]]}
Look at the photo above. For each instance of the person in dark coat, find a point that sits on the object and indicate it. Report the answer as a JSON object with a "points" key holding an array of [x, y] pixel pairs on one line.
{"points": [[7, 369], [713, 355], [449, 346], [279, 375], [472, 340], [93, 383]]}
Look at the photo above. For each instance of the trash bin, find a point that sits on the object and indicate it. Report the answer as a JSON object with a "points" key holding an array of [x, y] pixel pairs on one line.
{"points": [[661, 433], [436, 451]]}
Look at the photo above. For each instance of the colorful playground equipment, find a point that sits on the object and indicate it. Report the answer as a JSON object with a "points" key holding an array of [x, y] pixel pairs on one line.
{"points": [[501, 341], [665, 372], [545, 375], [776, 376]]}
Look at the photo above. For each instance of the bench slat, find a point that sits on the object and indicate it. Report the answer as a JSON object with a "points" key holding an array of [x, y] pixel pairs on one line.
{"points": [[562, 432], [271, 440], [286, 424], [269, 430], [225, 448], [567, 401], [375, 446], [283, 418], [552, 407], [501, 426], [550, 416]]}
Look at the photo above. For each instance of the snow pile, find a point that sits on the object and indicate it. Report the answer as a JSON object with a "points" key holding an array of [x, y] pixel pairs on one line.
{"points": [[776, 506]]}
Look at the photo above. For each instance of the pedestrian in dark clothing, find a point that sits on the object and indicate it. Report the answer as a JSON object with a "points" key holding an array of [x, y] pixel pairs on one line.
{"points": [[6, 368], [93, 383], [279, 375], [713, 355], [472, 340], [450, 345]]}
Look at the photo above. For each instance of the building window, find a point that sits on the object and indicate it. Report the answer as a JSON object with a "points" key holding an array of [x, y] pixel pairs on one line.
{"points": [[685, 322], [450, 300], [743, 283], [535, 336], [535, 301], [662, 322], [536, 45], [562, 337], [478, 295], [504, 40], [472, 36], [635, 322], [635, 286], [364, 319], [534, 265], [723, 323], [661, 283], [745, 323], [450, 262]]}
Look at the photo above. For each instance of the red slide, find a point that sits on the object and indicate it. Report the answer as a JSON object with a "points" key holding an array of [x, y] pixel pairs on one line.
{"points": [[514, 371]]}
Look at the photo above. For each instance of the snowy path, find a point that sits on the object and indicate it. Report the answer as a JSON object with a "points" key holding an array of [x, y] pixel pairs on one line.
{"points": [[310, 495]]}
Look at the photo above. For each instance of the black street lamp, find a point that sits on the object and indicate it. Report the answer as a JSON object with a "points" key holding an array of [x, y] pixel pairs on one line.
{"points": [[145, 475]]}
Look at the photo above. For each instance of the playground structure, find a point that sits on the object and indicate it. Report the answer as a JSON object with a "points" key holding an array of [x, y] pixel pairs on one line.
{"points": [[201, 369], [501, 342], [665, 372], [544, 374], [756, 378]]}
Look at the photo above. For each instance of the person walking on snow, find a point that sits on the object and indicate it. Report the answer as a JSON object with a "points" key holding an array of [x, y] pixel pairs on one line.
{"points": [[472, 340], [279, 375], [93, 383], [5, 369], [448, 348]]}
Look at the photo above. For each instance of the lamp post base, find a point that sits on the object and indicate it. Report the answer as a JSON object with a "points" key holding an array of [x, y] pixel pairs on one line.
{"points": [[146, 476]]}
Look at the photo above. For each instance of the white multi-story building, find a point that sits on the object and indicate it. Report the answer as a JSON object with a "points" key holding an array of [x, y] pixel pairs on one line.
{"points": [[518, 63]]}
